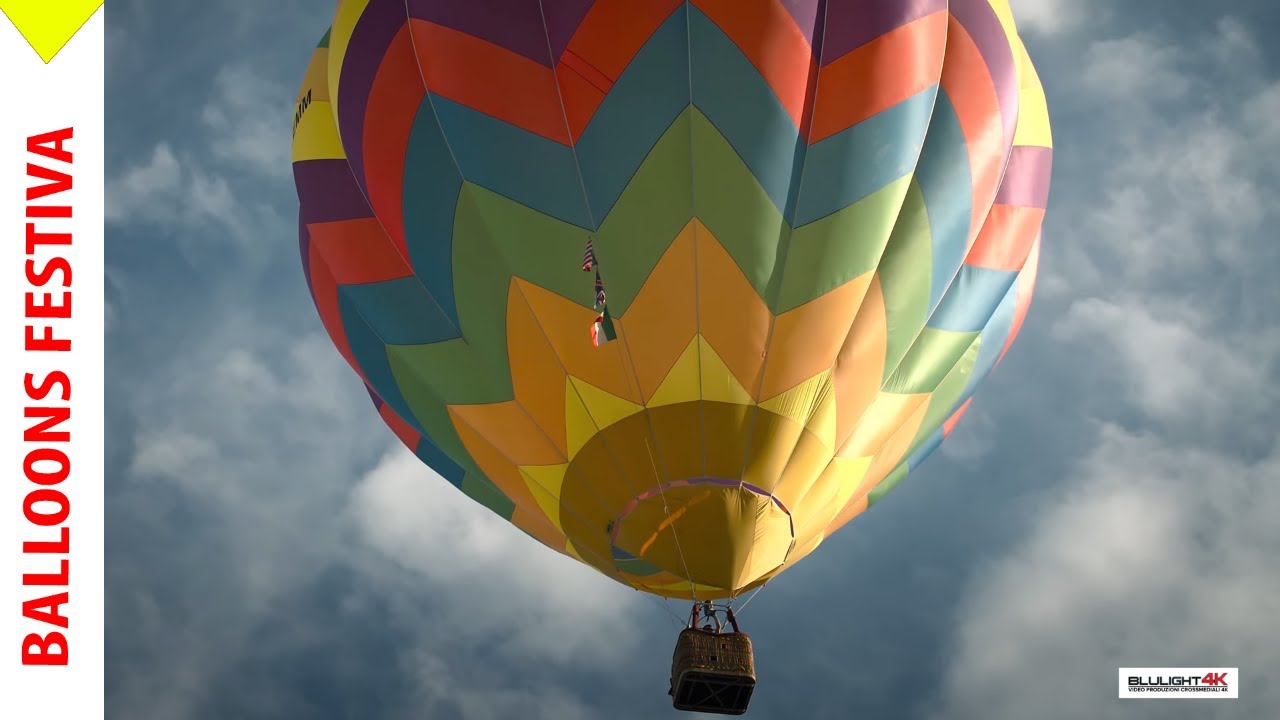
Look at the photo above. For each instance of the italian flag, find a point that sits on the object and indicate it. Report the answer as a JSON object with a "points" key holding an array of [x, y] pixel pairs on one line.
{"points": [[602, 329]]}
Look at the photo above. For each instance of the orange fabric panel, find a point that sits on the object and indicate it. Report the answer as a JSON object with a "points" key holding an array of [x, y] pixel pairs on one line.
{"points": [[732, 316], [567, 326], [582, 89], [509, 429], [357, 251], [766, 33], [1006, 238], [325, 291], [497, 468], [882, 73], [971, 91], [613, 31], [859, 366], [660, 322], [402, 429], [1026, 288], [490, 79], [537, 377], [808, 339], [950, 423]]}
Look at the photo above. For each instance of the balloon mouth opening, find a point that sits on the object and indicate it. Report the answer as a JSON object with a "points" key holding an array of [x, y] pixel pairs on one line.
{"points": [[717, 533]]}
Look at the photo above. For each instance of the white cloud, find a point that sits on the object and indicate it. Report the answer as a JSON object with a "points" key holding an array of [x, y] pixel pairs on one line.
{"points": [[1160, 549], [1235, 46], [1143, 69], [180, 196], [1182, 192], [270, 435], [169, 454], [973, 439], [1051, 17], [1134, 68], [114, 294], [1183, 198], [440, 690], [264, 450], [508, 586], [1260, 112], [209, 189], [1172, 360], [248, 119], [1155, 555], [140, 186]]}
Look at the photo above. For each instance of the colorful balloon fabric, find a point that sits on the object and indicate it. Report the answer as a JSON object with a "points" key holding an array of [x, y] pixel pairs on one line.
{"points": [[677, 288]]}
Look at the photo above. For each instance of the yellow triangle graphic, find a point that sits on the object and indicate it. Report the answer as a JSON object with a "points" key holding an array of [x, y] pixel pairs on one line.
{"points": [[681, 383], [822, 420], [887, 414], [49, 26], [578, 425], [851, 473], [316, 137], [799, 402], [812, 403], [544, 482], [605, 407], [718, 382]]}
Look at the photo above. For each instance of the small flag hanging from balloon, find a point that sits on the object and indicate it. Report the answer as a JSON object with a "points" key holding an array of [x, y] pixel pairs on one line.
{"points": [[602, 330]]}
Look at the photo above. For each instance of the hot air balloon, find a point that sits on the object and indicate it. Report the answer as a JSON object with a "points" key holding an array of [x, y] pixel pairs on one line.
{"points": [[678, 288]]}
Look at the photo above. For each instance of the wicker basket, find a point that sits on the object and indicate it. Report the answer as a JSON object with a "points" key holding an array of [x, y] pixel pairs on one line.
{"points": [[712, 672]]}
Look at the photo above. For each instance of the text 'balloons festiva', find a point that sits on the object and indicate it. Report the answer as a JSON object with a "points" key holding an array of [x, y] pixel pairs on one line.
{"points": [[678, 288]]}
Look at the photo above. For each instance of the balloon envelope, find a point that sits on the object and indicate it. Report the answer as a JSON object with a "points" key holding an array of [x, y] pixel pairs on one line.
{"points": [[814, 227]]}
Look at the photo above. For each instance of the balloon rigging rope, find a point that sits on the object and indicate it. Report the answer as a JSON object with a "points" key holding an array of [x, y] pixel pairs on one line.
{"points": [[586, 203], [773, 320], [666, 605], [751, 597], [453, 156], [362, 317], [693, 210], [697, 310], [693, 588], [605, 562]]}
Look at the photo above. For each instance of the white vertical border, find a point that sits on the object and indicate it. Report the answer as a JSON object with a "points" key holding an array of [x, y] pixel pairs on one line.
{"points": [[38, 98]]}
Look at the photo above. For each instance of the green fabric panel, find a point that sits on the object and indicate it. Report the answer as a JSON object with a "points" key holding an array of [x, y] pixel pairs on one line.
{"points": [[547, 251], [324, 41], [734, 207], [421, 373], [890, 482], [482, 490], [410, 369], [481, 281], [929, 360], [493, 234], [905, 277], [830, 252], [446, 372], [947, 396], [653, 209]]}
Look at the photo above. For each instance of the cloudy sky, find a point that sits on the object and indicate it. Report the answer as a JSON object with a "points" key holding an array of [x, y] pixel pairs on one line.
{"points": [[1110, 499]]}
